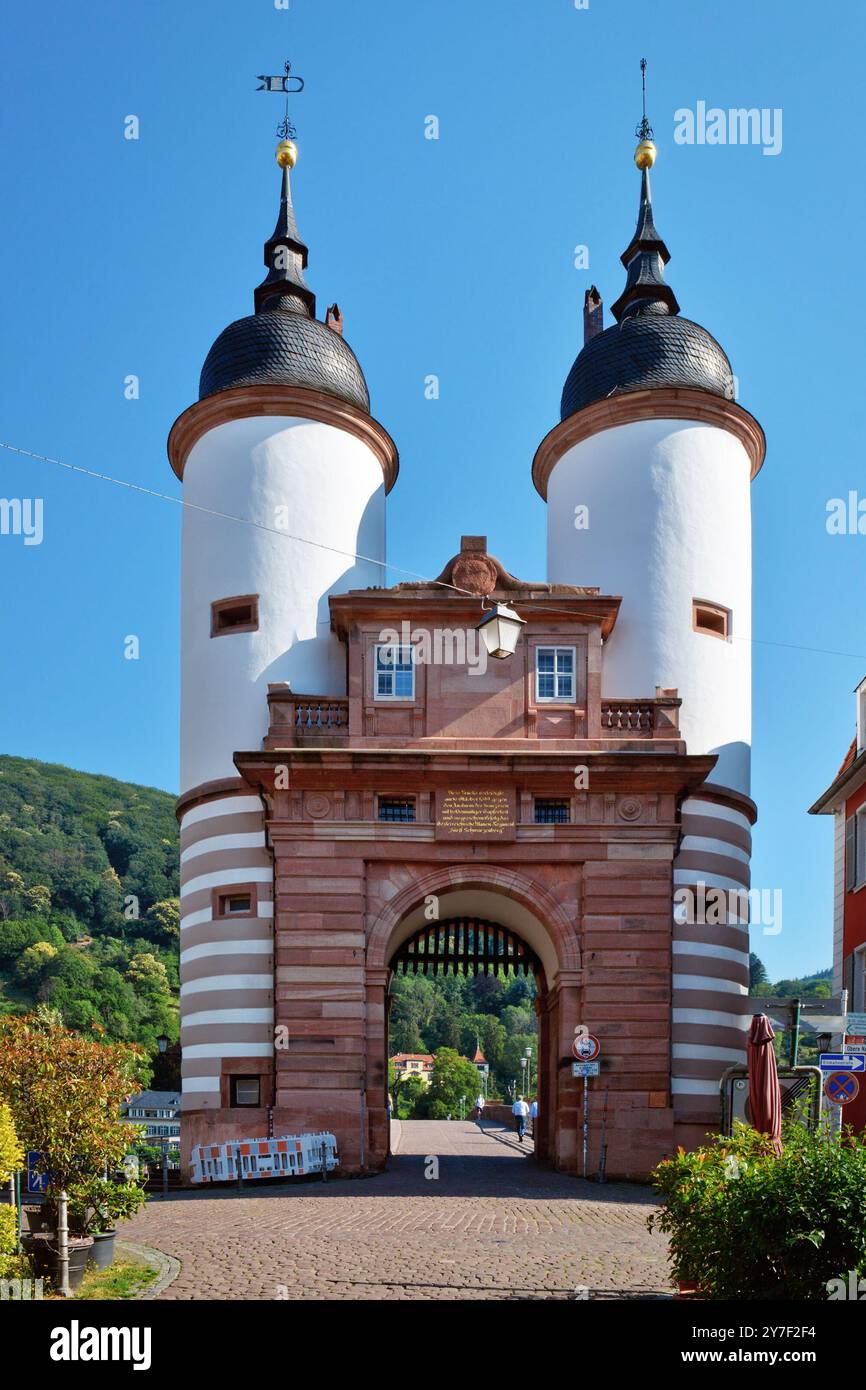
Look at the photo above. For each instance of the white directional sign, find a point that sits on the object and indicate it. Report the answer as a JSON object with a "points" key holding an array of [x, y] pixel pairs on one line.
{"points": [[856, 1023], [585, 1068], [842, 1061]]}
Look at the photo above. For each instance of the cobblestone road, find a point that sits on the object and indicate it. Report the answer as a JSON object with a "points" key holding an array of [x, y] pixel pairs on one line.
{"points": [[493, 1224]]}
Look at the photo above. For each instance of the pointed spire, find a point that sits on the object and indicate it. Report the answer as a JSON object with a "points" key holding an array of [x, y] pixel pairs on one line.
{"points": [[286, 254], [646, 255]]}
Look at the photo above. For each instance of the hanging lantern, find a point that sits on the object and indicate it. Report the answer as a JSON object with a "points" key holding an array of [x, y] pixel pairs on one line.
{"points": [[500, 629]]}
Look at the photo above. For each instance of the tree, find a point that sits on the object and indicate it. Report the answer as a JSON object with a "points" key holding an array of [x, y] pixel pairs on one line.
{"points": [[31, 966], [65, 1094], [162, 921], [510, 1069], [412, 1090], [37, 900], [15, 937], [758, 979], [453, 1077], [11, 1152]]}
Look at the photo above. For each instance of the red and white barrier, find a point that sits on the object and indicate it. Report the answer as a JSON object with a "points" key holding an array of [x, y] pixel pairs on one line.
{"points": [[291, 1155]]}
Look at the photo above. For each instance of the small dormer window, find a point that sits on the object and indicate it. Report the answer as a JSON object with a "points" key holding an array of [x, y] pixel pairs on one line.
{"points": [[711, 619], [554, 673], [394, 675]]}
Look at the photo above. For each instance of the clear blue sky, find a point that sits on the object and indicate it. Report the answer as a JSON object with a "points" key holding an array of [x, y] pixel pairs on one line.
{"points": [[452, 257]]}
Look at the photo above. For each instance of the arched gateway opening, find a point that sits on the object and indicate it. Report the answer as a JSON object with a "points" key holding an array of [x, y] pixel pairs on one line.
{"points": [[469, 946], [487, 921]]}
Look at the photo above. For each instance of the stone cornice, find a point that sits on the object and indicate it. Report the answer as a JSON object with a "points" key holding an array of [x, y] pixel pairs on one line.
{"points": [[242, 402], [667, 403], [682, 774]]}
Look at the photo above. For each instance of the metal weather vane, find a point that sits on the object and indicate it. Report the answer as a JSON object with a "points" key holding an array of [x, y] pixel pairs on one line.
{"points": [[283, 83], [643, 130]]}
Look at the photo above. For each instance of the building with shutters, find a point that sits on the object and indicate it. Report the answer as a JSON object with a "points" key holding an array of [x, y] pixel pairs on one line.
{"points": [[845, 801]]}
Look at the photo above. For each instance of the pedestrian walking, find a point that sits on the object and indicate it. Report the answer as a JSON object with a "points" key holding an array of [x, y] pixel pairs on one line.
{"points": [[533, 1115], [521, 1111], [479, 1109]]}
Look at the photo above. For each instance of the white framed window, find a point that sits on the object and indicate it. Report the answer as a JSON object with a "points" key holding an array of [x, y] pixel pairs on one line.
{"points": [[554, 673], [394, 674]]}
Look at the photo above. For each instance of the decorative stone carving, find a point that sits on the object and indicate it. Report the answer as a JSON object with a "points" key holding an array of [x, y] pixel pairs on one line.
{"points": [[317, 805]]}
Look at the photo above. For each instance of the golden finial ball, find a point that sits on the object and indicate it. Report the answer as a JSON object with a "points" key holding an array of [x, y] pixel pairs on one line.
{"points": [[645, 154], [287, 154]]}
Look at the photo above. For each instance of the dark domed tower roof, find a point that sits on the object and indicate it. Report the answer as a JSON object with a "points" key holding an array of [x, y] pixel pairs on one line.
{"points": [[650, 345], [283, 343]]}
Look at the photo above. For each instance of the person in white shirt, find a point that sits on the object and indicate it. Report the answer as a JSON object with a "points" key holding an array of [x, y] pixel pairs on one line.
{"points": [[521, 1110], [533, 1114], [479, 1108]]}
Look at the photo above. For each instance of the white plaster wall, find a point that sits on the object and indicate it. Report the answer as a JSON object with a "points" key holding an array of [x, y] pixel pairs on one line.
{"points": [[669, 522], [332, 486]]}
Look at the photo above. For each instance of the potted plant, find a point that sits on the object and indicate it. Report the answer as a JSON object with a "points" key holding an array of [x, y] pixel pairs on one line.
{"points": [[65, 1093], [95, 1207], [746, 1222]]}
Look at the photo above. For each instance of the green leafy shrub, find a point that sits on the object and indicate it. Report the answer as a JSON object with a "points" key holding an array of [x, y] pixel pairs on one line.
{"points": [[11, 1152], [97, 1204], [8, 1232], [744, 1223]]}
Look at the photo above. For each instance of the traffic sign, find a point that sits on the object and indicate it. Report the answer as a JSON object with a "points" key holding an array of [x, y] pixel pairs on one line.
{"points": [[586, 1047], [37, 1176], [841, 1087], [853, 1044], [842, 1061], [855, 1023], [585, 1068]]}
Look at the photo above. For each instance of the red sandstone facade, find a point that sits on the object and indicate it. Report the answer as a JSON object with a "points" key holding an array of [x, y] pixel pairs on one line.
{"points": [[845, 799], [591, 897]]}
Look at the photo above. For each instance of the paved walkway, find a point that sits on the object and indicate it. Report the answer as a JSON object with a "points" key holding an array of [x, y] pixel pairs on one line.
{"points": [[460, 1213]]}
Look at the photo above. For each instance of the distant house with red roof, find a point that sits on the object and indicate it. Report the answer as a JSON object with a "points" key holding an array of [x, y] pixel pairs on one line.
{"points": [[412, 1064]]}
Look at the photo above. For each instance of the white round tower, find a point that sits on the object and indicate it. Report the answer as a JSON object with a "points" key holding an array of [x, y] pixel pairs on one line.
{"points": [[284, 477], [647, 480]]}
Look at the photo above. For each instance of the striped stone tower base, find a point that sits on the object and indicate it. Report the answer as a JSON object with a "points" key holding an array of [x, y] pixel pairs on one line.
{"points": [[226, 947], [710, 956]]}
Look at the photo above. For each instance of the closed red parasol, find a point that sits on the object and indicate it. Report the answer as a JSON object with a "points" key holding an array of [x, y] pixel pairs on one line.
{"points": [[765, 1095]]}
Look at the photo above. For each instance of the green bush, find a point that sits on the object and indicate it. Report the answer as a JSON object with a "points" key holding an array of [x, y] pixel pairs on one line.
{"points": [[97, 1204], [8, 1232], [744, 1223]]}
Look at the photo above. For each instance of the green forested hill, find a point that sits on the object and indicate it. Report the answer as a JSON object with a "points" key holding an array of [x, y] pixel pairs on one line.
{"points": [[89, 912]]}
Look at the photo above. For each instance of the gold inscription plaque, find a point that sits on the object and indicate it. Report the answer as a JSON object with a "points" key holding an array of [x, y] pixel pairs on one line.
{"points": [[476, 812]]}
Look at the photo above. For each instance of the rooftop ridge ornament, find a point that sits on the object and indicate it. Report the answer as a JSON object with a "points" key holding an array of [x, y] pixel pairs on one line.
{"points": [[283, 83]]}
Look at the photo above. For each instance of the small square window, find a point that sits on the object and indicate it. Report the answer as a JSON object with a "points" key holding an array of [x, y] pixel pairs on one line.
{"points": [[551, 812], [237, 901], [246, 1090], [554, 673], [234, 615], [396, 808], [394, 676], [711, 619]]}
